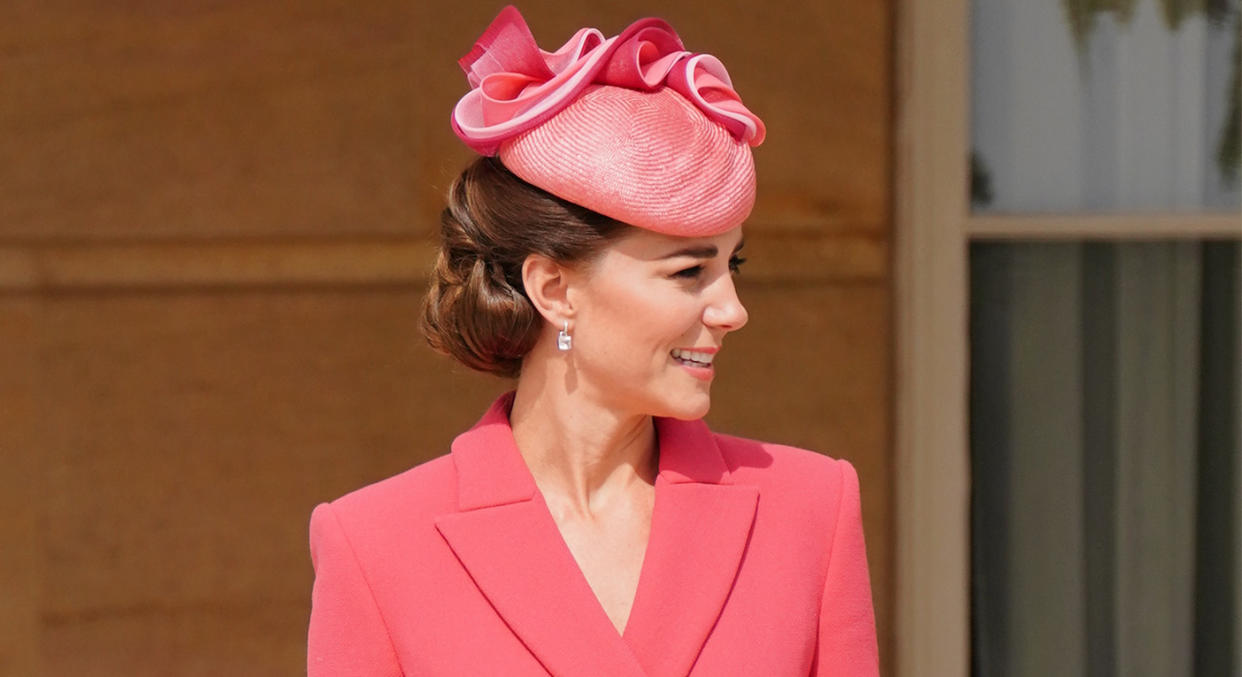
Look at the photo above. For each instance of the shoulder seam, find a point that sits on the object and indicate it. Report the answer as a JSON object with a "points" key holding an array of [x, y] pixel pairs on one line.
{"points": [[353, 553], [836, 525]]}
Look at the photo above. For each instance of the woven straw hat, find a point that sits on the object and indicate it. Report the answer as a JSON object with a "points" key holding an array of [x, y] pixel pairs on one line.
{"points": [[633, 127]]}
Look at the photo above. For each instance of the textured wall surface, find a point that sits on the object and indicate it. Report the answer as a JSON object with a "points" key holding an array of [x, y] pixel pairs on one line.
{"points": [[214, 221]]}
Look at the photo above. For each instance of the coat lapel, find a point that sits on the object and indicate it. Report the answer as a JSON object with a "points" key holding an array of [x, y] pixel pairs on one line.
{"points": [[699, 532], [506, 539]]}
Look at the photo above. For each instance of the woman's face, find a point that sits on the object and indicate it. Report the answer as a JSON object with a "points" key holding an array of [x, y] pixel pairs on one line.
{"points": [[650, 315]]}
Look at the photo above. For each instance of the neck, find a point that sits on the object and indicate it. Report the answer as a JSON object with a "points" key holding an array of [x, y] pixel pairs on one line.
{"points": [[581, 453]]}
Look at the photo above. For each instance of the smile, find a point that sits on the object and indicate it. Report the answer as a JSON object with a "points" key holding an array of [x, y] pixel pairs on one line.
{"points": [[693, 358]]}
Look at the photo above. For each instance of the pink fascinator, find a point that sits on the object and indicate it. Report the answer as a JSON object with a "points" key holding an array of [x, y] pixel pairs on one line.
{"points": [[633, 126]]}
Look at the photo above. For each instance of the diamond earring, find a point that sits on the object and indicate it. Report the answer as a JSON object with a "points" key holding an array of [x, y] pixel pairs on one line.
{"points": [[563, 340]]}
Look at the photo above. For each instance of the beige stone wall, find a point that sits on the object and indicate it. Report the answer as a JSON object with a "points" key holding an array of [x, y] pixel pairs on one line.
{"points": [[214, 222]]}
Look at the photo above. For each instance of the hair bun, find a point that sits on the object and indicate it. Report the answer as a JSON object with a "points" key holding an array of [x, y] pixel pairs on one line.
{"points": [[476, 309]]}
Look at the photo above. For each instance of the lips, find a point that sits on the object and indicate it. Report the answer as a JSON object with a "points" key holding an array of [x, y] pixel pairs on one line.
{"points": [[694, 358]]}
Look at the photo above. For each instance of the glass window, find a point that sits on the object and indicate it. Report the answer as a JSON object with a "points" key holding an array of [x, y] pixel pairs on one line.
{"points": [[1105, 452], [1105, 105]]}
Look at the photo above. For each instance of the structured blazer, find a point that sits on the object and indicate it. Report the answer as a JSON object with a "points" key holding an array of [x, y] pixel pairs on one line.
{"points": [[755, 566]]}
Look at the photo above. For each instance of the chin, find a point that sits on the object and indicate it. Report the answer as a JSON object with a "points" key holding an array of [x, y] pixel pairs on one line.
{"points": [[689, 408]]}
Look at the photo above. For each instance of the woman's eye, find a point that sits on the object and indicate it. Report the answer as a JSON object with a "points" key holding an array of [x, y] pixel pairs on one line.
{"points": [[735, 267]]}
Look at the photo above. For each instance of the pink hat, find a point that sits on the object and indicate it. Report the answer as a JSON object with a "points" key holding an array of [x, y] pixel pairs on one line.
{"points": [[633, 126]]}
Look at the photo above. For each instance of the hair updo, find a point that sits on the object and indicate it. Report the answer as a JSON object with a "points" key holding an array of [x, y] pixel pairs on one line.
{"points": [[476, 309]]}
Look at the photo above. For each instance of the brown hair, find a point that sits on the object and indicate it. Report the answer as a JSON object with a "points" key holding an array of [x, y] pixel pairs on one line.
{"points": [[476, 309]]}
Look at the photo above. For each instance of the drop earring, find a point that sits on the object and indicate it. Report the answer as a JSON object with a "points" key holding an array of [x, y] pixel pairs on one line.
{"points": [[563, 340]]}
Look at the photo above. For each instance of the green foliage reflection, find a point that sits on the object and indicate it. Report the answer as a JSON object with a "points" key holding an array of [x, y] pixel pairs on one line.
{"points": [[1081, 15]]}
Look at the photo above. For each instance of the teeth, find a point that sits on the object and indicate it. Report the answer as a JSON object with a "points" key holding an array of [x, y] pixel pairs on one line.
{"points": [[693, 356]]}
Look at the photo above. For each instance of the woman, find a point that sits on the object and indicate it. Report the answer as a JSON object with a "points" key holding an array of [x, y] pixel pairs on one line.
{"points": [[591, 524]]}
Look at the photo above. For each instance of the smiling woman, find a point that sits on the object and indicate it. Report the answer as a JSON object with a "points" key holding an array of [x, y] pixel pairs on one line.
{"points": [[591, 523], [687, 303]]}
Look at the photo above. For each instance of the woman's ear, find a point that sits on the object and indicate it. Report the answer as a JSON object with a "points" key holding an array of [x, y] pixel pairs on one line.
{"points": [[547, 287]]}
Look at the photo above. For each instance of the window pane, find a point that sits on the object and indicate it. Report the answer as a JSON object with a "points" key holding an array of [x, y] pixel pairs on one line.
{"points": [[1105, 105], [1105, 453]]}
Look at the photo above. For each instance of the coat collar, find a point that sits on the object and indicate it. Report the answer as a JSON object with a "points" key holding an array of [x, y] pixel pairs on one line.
{"points": [[491, 472], [508, 542]]}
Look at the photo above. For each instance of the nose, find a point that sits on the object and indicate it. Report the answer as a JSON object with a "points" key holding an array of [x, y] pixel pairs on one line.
{"points": [[725, 309]]}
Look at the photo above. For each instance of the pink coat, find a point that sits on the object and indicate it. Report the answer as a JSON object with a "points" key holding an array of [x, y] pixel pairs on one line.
{"points": [[755, 566]]}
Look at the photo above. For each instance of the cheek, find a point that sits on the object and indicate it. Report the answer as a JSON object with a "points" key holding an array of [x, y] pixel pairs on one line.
{"points": [[632, 322]]}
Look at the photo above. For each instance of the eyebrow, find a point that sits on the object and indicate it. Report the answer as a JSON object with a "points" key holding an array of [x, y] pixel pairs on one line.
{"points": [[707, 251]]}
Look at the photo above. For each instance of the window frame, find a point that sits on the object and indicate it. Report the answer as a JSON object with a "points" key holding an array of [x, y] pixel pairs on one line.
{"points": [[933, 231]]}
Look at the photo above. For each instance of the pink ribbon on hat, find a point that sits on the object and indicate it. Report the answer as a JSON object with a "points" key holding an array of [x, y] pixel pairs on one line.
{"points": [[516, 86]]}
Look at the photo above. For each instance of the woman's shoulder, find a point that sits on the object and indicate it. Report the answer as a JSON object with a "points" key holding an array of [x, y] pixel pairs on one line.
{"points": [[808, 495], [425, 490], [794, 471], [745, 456]]}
